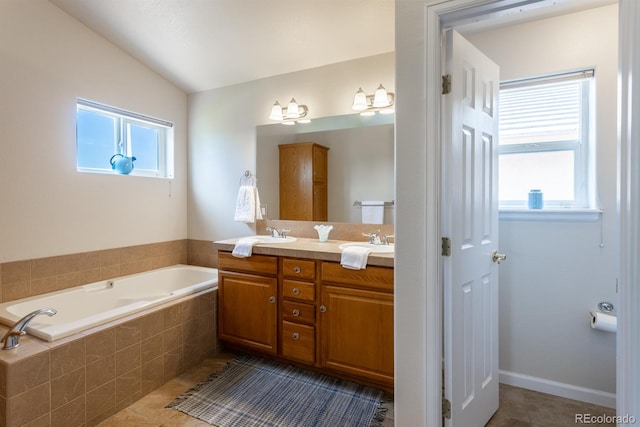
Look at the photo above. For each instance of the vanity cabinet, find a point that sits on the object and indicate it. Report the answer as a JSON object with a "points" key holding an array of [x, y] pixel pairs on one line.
{"points": [[303, 181], [248, 301], [311, 312], [356, 321]]}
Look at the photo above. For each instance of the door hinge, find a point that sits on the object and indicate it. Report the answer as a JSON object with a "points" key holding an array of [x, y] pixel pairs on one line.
{"points": [[446, 408], [446, 246], [446, 84]]}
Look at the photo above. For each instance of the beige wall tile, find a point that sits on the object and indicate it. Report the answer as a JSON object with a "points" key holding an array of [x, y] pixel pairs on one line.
{"points": [[100, 372], [127, 359], [172, 316], [68, 263], [152, 374], [100, 403], [43, 285], [172, 364], [151, 324], [67, 358], [100, 345], [129, 385], [67, 388], [151, 348], [43, 267], [27, 373], [128, 334], [172, 338], [16, 272], [71, 414], [89, 260], [28, 406]]}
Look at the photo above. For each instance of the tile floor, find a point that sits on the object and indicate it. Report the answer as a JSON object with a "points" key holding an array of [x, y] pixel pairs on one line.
{"points": [[527, 408], [518, 407]]}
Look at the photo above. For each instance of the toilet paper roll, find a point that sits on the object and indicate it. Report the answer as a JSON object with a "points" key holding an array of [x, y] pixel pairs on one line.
{"points": [[603, 322]]}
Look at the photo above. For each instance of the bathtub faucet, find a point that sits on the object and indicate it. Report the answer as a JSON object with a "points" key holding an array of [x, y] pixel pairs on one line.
{"points": [[12, 338]]}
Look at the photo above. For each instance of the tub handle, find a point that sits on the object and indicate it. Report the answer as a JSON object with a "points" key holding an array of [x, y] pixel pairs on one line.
{"points": [[12, 338]]}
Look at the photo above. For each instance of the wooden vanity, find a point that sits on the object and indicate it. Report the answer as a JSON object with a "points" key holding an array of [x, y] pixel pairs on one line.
{"points": [[295, 302]]}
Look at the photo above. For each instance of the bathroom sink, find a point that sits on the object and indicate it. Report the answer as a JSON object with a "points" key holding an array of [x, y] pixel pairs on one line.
{"points": [[271, 240], [376, 249]]}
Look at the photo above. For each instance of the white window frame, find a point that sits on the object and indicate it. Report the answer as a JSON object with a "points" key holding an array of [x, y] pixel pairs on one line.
{"points": [[584, 170], [123, 121]]}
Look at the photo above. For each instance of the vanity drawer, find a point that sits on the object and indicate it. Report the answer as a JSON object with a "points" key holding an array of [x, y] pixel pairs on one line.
{"points": [[295, 289], [261, 264], [298, 342], [298, 312], [298, 269], [376, 278]]}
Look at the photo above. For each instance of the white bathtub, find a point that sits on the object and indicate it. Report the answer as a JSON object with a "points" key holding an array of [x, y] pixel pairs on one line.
{"points": [[86, 306]]}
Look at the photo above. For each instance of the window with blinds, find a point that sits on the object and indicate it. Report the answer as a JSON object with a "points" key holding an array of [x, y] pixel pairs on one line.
{"points": [[103, 131], [545, 140]]}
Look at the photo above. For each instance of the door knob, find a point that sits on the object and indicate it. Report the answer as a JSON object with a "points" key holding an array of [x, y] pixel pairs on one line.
{"points": [[496, 257]]}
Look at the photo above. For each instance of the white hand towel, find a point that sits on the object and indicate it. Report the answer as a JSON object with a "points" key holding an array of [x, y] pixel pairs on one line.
{"points": [[248, 204], [244, 247], [355, 257], [372, 212]]}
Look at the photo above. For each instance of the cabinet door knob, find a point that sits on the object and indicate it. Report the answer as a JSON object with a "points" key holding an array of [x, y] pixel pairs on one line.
{"points": [[323, 308], [296, 269], [296, 312], [272, 299], [296, 291], [296, 336]]}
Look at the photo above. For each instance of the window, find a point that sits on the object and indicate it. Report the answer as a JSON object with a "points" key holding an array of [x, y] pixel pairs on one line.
{"points": [[103, 131], [545, 140]]}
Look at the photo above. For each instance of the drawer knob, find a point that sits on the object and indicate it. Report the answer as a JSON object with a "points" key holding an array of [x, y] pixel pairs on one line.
{"points": [[296, 336], [272, 299], [323, 308], [296, 312], [296, 291], [296, 269]]}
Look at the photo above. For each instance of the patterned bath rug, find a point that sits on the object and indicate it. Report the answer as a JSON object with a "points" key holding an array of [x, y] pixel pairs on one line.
{"points": [[251, 391]]}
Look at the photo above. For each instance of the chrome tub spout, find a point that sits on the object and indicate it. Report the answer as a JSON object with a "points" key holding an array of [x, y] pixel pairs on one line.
{"points": [[12, 338]]}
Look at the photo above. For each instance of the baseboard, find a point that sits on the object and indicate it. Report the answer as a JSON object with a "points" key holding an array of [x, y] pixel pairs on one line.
{"points": [[555, 388]]}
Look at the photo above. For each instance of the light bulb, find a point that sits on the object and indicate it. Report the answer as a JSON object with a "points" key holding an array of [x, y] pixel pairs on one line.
{"points": [[380, 98], [276, 112], [360, 101]]}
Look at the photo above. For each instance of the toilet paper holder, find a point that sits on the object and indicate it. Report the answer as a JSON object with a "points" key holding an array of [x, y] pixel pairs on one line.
{"points": [[605, 307]]}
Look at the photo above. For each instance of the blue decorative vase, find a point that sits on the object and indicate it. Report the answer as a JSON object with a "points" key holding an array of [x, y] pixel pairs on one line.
{"points": [[535, 199]]}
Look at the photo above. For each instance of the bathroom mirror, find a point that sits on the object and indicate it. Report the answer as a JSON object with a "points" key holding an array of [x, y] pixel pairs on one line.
{"points": [[360, 162]]}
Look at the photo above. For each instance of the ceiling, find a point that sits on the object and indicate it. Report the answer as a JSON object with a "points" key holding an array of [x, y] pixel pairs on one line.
{"points": [[204, 44]]}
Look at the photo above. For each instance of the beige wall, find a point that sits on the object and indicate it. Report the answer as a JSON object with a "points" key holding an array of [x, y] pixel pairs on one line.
{"points": [[47, 208]]}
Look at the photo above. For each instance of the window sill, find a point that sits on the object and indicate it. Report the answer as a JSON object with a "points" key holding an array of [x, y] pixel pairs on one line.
{"points": [[573, 215]]}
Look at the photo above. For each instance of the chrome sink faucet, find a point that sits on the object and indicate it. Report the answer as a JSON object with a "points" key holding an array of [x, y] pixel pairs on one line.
{"points": [[12, 338], [375, 239], [275, 233]]}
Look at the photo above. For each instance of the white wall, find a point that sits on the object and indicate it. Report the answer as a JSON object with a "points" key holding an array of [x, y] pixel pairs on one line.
{"points": [[557, 271], [222, 131], [47, 60]]}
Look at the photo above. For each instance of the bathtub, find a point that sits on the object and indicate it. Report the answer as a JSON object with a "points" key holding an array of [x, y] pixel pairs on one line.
{"points": [[86, 306]]}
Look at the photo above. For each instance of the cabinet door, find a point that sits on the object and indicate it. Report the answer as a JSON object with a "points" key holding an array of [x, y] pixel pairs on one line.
{"points": [[248, 310], [356, 332], [320, 208]]}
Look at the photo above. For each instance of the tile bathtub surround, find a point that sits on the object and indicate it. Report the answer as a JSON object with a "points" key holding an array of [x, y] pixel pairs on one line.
{"points": [[84, 379], [20, 279]]}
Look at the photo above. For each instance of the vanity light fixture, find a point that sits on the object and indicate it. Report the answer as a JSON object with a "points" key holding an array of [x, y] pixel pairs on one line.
{"points": [[294, 113], [381, 101]]}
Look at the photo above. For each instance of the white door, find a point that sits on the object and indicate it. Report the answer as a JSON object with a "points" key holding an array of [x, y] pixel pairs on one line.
{"points": [[470, 220]]}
